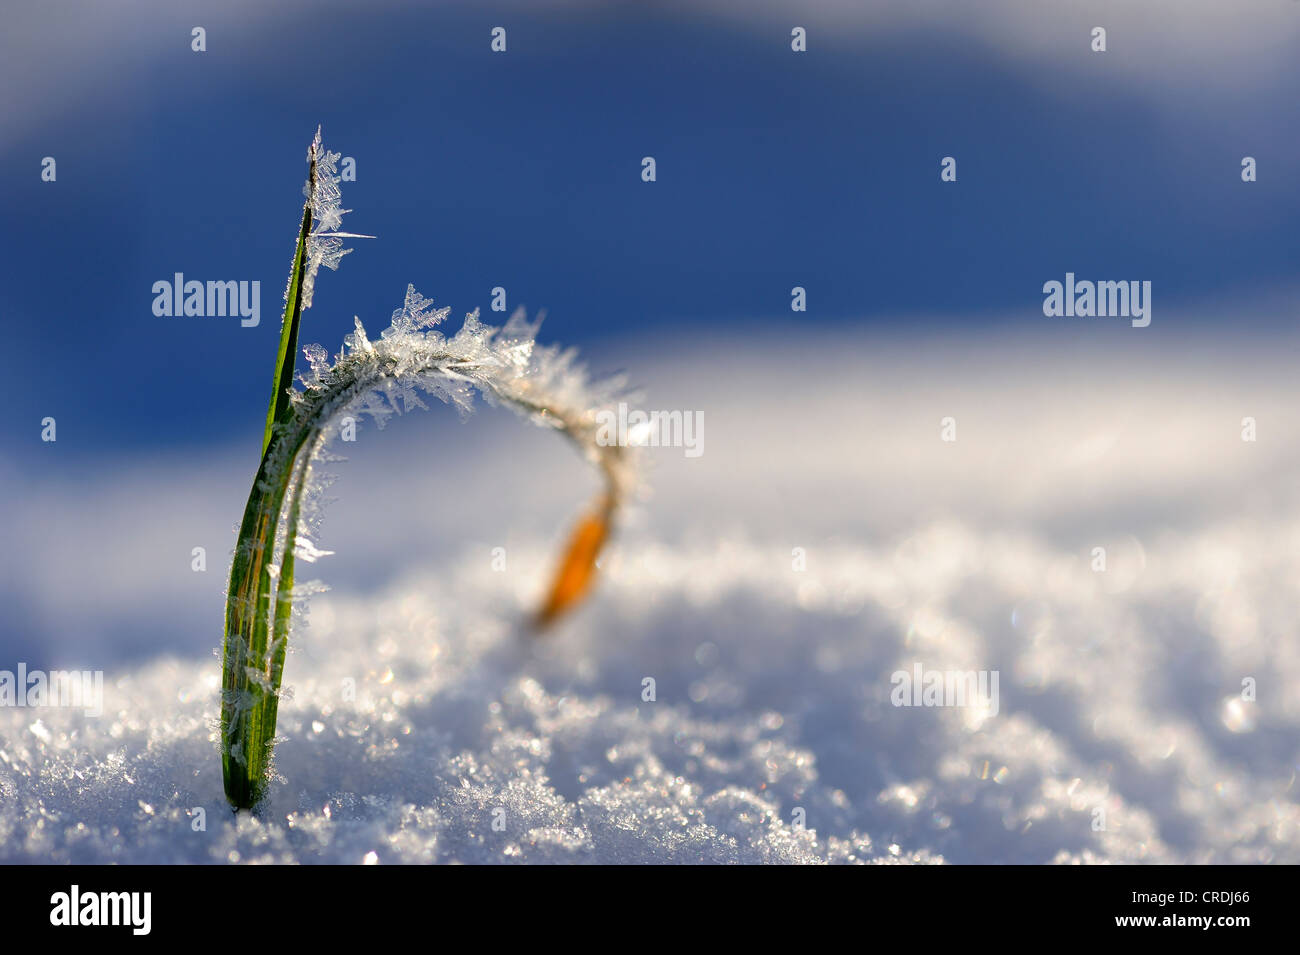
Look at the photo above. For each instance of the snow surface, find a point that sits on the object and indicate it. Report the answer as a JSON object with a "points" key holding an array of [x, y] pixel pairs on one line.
{"points": [[1119, 691]]}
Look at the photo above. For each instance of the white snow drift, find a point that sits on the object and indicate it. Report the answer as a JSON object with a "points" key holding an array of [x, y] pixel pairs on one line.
{"points": [[770, 589]]}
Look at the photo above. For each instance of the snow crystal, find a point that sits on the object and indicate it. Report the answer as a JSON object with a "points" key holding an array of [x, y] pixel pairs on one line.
{"points": [[468, 740], [324, 241], [323, 247], [426, 726]]}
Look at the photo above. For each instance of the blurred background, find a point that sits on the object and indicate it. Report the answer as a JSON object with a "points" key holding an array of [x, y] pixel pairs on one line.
{"points": [[522, 170]]}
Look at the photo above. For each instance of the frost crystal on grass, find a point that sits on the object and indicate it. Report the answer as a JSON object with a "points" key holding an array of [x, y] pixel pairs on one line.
{"points": [[410, 360], [325, 243]]}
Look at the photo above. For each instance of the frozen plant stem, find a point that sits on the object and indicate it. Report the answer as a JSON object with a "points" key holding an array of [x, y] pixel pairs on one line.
{"points": [[387, 376]]}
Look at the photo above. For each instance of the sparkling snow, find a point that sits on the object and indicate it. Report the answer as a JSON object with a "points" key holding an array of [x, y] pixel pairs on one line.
{"points": [[468, 740]]}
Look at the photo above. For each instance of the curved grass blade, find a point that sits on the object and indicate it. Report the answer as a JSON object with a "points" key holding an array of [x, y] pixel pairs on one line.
{"points": [[504, 365]]}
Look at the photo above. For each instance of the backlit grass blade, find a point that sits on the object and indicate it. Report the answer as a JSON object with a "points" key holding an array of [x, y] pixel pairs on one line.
{"points": [[251, 675], [287, 355], [409, 361]]}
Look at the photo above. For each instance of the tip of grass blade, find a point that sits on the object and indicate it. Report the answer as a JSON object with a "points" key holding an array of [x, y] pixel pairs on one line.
{"points": [[577, 570]]}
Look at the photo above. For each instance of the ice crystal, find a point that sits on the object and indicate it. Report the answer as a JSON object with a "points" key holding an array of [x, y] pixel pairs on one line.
{"points": [[324, 242], [411, 360]]}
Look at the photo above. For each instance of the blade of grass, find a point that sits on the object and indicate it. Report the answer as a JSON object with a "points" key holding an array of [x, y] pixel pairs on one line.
{"points": [[246, 678], [287, 355], [245, 699], [260, 597], [284, 596]]}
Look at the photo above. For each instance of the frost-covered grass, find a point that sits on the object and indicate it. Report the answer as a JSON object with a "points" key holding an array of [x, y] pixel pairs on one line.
{"points": [[410, 361]]}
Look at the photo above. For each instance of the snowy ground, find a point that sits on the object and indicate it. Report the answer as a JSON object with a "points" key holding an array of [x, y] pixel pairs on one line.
{"points": [[1119, 690]]}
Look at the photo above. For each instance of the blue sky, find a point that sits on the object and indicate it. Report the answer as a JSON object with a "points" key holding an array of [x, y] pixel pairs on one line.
{"points": [[522, 169]]}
